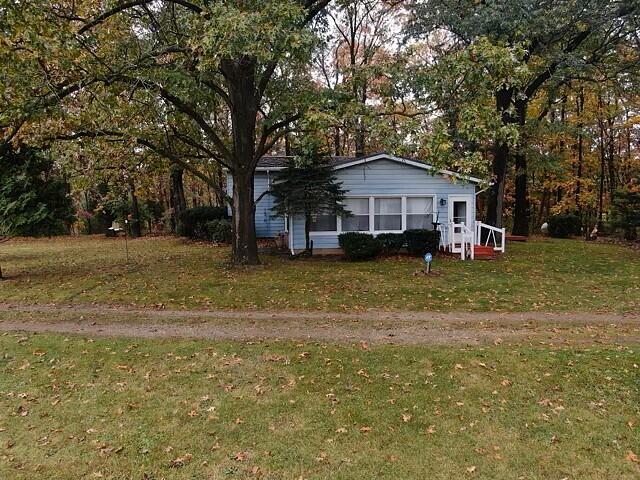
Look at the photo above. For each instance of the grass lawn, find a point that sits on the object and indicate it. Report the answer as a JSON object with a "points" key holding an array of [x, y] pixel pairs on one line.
{"points": [[549, 275], [72, 407]]}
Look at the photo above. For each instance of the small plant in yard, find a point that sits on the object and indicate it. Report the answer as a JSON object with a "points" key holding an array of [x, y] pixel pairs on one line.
{"points": [[359, 246], [192, 222], [420, 242], [219, 231], [391, 242]]}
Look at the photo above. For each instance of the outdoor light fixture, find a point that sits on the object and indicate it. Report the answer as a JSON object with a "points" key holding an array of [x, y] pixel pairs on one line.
{"points": [[443, 202]]}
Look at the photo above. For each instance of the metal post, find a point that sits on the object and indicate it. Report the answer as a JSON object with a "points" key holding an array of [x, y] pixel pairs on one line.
{"points": [[126, 244]]}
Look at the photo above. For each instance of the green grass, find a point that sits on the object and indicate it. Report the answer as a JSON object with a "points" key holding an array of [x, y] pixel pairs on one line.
{"points": [[74, 408], [550, 275]]}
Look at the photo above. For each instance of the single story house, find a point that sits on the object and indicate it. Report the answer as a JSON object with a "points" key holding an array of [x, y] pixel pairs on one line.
{"points": [[385, 193]]}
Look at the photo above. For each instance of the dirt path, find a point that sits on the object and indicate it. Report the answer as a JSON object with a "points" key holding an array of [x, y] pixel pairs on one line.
{"points": [[424, 328]]}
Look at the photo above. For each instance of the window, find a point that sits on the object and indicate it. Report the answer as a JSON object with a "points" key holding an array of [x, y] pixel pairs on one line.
{"points": [[420, 213], [388, 214], [381, 214], [358, 221], [324, 223]]}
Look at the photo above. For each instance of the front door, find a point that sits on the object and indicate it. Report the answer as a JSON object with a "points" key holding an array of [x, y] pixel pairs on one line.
{"points": [[460, 213]]}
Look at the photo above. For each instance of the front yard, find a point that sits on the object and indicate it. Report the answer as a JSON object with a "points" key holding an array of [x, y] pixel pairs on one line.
{"points": [[112, 409], [542, 275]]}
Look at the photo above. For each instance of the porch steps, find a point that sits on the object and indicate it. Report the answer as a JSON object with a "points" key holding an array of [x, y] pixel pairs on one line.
{"points": [[515, 238], [485, 253]]}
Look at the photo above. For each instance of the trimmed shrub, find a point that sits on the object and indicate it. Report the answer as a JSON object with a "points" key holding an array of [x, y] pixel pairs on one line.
{"points": [[219, 231], [391, 242], [565, 225], [192, 222], [359, 246], [420, 242]]}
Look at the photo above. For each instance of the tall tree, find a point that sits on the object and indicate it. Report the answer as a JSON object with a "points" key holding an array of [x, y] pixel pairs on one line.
{"points": [[219, 66], [357, 46], [561, 39], [34, 198]]}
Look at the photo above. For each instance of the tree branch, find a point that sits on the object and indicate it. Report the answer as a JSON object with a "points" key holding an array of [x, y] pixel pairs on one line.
{"points": [[131, 4], [186, 165]]}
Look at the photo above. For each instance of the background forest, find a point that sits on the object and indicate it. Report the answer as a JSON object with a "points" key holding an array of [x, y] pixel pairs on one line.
{"points": [[136, 109]]}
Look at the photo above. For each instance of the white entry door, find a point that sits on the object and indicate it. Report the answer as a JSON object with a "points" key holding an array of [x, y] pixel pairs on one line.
{"points": [[460, 212]]}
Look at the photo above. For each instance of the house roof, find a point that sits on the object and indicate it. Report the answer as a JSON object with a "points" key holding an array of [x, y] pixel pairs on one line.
{"points": [[279, 162]]}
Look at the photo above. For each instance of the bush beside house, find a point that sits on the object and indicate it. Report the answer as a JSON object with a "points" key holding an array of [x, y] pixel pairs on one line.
{"points": [[364, 246], [391, 243], [359, 246], [219, 231], [192, 222], [420, 242]]}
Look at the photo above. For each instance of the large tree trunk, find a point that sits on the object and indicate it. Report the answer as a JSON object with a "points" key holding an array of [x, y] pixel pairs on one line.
{"points": [[611, 160], [245, 245], [603, 161], [336, 141], [134, 222], [521, 211], [580, 148], [240, 80], [177, 199], [495, 200]]}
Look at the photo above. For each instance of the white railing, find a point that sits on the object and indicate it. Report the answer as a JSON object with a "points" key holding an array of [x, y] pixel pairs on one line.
{"points": [[444, 236], [467, 241], [457, 238], [491, 236]]}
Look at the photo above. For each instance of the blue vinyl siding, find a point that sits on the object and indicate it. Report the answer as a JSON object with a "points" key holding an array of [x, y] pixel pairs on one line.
{"points": [[266, 226], [390, 178]]}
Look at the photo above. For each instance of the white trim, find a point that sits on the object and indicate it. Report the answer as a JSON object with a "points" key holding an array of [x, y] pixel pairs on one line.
{"points": [[290, 233], [471, 218]]}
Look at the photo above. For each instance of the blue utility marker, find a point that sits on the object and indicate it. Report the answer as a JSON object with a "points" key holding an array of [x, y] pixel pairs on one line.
{"points": [[427, 259]]}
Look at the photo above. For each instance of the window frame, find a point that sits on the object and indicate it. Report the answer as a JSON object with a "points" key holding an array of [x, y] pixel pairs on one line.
{"points": [[434, 208], [328, 232], [341, 230], [403, 197], [403, 213]]}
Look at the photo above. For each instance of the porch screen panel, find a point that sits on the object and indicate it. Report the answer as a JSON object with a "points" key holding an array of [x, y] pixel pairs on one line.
{"points": [[388, 214], [358, 221], [420, 213]]}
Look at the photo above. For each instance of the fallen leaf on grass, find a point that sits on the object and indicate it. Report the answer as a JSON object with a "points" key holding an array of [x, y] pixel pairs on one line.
{"points": [[632, 457], [241, 456], [181, 461]]}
